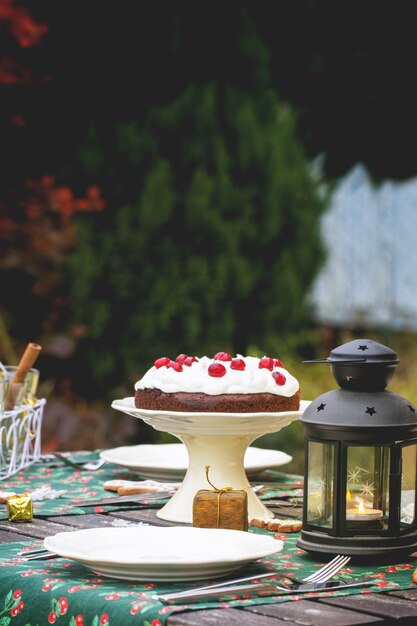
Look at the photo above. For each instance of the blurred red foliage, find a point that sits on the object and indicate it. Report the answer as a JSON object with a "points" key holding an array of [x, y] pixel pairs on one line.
{"points": [[27, 32], [23, 27], [38, 232]]}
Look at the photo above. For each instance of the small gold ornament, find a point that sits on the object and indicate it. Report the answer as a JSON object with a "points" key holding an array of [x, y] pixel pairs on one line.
{"points": [[20, 508]]}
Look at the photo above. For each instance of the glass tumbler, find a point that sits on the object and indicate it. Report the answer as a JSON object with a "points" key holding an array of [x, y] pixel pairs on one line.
{"points": [[13, 394]]}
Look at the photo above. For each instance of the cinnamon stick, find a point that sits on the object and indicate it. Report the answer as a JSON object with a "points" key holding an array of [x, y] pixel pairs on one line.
{"points": [[29, 356], [26, 362]]}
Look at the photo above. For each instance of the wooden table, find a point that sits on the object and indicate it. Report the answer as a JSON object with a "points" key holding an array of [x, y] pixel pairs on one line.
{"points": [[395, 607]]}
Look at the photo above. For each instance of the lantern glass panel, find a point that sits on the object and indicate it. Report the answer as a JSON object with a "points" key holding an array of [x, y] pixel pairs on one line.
{"points": [[408, 485], [367, 488], [320, 484]]}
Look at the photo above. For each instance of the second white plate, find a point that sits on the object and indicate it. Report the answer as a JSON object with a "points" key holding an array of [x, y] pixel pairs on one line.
{"points": [[169, 461]]}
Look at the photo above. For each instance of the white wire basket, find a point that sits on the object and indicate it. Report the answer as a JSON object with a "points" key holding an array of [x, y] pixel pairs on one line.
{"points": [[20, 437]]}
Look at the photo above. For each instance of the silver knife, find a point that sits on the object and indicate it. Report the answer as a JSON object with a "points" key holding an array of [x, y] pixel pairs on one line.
{"points": [[257, 589]]}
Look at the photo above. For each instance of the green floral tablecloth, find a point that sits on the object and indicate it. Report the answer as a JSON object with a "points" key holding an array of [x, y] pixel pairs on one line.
{"points": [[64, 592], [38, 593]]}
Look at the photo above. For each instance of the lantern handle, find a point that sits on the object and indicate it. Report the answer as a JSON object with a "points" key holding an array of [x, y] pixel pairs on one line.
{"points": [[341, 361]]}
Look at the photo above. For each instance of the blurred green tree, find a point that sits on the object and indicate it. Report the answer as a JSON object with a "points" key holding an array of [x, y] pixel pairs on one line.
{"points": [[212, 239]]}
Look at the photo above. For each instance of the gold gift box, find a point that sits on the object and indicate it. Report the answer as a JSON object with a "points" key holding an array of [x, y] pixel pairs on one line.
{"points": [[20, 508]]}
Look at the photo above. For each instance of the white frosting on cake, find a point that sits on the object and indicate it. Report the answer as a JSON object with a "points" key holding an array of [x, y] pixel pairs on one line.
{"points": [[196, 379]]}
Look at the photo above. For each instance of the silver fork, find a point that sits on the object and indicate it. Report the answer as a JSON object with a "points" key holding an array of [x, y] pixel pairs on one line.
{"points": [[321, 575], [92, 466]]}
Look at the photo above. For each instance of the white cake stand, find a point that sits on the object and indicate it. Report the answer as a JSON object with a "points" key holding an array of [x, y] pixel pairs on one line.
{"points": [[219, 440]]}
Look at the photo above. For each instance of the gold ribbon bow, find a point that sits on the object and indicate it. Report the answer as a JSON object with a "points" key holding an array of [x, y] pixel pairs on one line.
{"points": [[219, 494]]}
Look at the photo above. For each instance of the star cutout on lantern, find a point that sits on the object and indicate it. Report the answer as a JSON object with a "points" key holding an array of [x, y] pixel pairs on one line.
{"points": [[321, 407], [370, 410], [354, 475], [363, 348], [367, 489], [412, 409]]}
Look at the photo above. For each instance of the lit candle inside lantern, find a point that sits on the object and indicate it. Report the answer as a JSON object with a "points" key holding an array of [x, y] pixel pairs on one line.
{"points": [[362, 514]]}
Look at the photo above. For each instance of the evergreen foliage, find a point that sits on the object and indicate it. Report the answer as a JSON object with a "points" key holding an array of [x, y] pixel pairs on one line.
{"points": [[211, 239]]}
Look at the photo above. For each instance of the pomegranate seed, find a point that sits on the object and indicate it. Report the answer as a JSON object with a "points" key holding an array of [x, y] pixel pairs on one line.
{"points": [[217, 370], [279, 378], [175, 366], [237, 364], [266, 362], [164, 360], [278, 363], [222, 356], [189, 360]]}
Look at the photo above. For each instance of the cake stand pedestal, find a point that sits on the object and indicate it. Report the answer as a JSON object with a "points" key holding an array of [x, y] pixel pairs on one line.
{"points": [[219, 440]]}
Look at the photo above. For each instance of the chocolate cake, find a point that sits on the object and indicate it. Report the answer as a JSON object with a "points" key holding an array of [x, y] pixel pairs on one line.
{"points": [[222, 384]]}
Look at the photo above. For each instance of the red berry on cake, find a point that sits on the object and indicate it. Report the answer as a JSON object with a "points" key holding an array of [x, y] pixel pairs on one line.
{"points": [[175, 366], [237, 364], [164, 360], [278, 363], [222, 356], [266, 362], [189, 360], [217, 370], [184, 359], [279, 378]]}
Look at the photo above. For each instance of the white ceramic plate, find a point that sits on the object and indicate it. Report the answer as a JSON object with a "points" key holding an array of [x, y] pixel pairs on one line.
{"points": [[169, 461], [155, 553]]}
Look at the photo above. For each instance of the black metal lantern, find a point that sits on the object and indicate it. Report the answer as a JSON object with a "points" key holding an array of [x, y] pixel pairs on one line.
{"points": [[360, 460]]}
